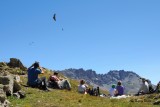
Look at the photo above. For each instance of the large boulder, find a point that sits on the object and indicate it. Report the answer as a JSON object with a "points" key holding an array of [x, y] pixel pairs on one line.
{"points": [[8, 82], [16, 86], [3, 99], [2, 96], [16, 63]]}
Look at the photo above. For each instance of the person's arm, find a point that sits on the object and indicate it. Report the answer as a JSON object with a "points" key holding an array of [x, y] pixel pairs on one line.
{"points": [[42, 71], [116, 92], [31, 66], [86, 85], [56, 79], [60, 78]]}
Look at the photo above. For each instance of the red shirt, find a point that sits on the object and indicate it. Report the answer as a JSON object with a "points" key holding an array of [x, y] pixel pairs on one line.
{"points": [[54, 78]]}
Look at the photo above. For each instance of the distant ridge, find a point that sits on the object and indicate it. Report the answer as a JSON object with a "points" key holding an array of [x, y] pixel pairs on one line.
{"points": [[130, 80]]}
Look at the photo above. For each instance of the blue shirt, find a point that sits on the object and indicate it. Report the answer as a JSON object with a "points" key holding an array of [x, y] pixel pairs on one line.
{"points": [[33, 75]]}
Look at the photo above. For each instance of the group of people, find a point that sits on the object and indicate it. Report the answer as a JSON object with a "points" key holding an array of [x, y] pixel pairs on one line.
{"points": [[54, 81], [147, 88], [144, 89], [84, 89], [116, 90], [34, 70]]}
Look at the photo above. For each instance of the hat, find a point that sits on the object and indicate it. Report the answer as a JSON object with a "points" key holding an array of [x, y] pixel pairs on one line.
{"points": [[113, 85]]}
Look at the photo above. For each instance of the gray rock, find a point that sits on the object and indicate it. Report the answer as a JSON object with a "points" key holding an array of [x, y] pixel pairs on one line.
{"points": [[2, 96], [5, 80], [6, 103], [17, 78], [8, 83], [16, 87]]}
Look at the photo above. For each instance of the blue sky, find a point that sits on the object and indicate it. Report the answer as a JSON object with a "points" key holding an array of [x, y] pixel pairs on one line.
{"points": [[101, 35]]}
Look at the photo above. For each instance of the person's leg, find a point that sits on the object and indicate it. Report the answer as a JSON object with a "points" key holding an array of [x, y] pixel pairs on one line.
{"points": [[54, 84], [39, 83], [44, 83]]}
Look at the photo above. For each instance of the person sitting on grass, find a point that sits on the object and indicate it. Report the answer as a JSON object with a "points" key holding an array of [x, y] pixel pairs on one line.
{"points": [[112, 91], [33, 71], [62, 83], [144, 89], [119, 89], [151, 89], [157, 90], [82, 87]]}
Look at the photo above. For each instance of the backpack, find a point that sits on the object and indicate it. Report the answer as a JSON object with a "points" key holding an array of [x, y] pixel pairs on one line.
{"points": [[94, 92], [151, 88], [41, 83], [158, 88]]}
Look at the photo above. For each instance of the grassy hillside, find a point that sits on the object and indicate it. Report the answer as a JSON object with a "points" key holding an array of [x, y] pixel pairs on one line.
{"points": [[64, 98]]}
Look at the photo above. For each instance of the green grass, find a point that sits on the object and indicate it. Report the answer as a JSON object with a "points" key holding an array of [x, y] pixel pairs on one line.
{"points": [[64, 98]]}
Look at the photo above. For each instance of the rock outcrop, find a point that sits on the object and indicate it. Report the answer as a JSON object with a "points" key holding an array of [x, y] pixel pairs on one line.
{"points": [[16, 63], [9, 80]]}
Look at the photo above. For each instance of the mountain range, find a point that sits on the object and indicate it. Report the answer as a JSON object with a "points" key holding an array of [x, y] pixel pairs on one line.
{"points": [[130, 80]]}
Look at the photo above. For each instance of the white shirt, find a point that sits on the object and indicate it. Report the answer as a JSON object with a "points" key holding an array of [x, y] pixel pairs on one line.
{"points": [[112, 91], [81, 88], [144, 88]]}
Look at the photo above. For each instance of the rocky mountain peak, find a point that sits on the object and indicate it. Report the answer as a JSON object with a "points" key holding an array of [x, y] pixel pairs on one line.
{"points": [[130, 80]]}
